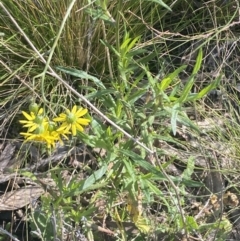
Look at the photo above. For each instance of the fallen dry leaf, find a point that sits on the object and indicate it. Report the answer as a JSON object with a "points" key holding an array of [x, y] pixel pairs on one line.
{"points": [[19, 198]]}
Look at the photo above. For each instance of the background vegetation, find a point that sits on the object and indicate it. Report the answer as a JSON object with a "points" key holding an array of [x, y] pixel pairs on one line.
{"points": [[160, 80]]}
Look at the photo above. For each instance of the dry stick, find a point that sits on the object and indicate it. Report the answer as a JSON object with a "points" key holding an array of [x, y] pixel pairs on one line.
{"points": [[54, 74]]}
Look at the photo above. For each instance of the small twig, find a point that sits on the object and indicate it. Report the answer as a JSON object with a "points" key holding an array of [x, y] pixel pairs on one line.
{"points": [[7, 233], [202, 210]]}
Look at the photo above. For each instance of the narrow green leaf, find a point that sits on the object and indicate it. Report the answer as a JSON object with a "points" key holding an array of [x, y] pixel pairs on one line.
{"points": [[131, 99], [161, 3], [110, 47], [81, 74], [208, 88], [183, 119], [100, 13], [92, 179], [165, 83], [177, 71], [198, 62], [191, 223], [132, 44], [124, 45], [130, 169], [187, 90]]}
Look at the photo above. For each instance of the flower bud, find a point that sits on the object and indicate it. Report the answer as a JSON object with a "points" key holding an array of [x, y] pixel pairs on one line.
{"points": [[33, 107]]}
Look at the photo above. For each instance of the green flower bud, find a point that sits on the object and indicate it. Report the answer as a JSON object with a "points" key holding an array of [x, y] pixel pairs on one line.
{"points": [[39, 119], [33, 107], [52, 126], [40, 129]]}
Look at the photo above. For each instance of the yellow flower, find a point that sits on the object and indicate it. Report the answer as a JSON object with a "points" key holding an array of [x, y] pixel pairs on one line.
{"points": [[71, 120], [41, 134], [33, 121]]}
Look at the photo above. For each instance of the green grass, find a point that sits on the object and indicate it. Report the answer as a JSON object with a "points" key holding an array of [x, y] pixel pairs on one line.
{"points": [[143, 73]]}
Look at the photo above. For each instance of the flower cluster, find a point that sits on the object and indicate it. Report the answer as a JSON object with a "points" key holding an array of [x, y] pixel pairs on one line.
{"points": [[41, 129]]}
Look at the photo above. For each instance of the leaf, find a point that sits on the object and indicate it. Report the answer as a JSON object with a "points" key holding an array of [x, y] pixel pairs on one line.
{"points": [[160, 2], [177, 71], [81, 74], [130, 169], [164, 84], [187, 173], [190, 222], [208, 88], [19, 198], [198, 62], [86, 184], [183, 119], [110, 47], [186, 90], [132, 44], [100, 13], [157, 175], [131, 99], [142, 224], [100, 93]]}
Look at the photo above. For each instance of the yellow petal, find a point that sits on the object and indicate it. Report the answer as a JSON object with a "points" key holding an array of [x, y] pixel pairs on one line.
{"points": [[74, 109], [33, 128], [81, 112], [25, 134], [23, 121], [62, 117], [40, 111], [83, 121], [29, 117], [79, 127], [74, 130], [64, 129]]}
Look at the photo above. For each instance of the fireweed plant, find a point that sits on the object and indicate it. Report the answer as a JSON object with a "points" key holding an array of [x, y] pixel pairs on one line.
{"points": [[42, 129]]}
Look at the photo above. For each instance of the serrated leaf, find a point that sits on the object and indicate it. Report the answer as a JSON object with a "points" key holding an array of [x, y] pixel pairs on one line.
{"points": [[187, 173]]}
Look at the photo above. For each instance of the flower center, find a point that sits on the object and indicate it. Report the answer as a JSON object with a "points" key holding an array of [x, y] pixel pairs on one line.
{"points": [[71, 118]]}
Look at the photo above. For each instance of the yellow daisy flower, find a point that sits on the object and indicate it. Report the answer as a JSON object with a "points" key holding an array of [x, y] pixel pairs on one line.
{"points": [[41, 134], [71, 120], [33, 121]]}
